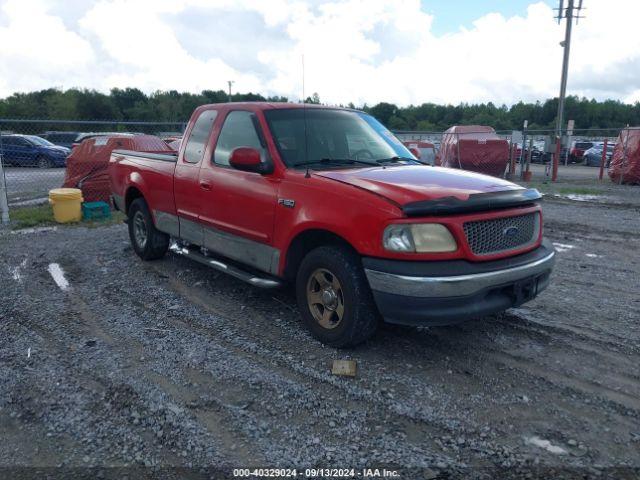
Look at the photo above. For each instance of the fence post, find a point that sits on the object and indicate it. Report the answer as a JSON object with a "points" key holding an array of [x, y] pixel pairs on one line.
{"points": [[624, 155], [604, 159], [526, 175], [512, 163], [556, 159], [4, 202]]}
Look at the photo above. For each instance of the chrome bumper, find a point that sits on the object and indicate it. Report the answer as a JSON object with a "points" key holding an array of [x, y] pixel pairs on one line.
{"points": [[455, 286]]}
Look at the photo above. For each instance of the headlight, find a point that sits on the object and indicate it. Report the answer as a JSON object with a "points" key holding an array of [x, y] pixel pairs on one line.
{"points": [[419, 237]]}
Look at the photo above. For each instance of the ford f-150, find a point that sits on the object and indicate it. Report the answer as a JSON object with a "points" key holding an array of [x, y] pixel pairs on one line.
{"points": [[329, 200]]}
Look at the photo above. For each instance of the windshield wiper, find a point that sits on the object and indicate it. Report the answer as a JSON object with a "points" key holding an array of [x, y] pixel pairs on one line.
{"points": [[397, 159], [337, 161]]}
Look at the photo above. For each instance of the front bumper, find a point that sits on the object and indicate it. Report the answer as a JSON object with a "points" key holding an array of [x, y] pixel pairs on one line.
{"points": [[446, 292]]}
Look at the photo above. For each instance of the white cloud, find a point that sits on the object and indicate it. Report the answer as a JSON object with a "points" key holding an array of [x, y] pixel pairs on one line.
{"points": [[37, 50], [354, 50]]}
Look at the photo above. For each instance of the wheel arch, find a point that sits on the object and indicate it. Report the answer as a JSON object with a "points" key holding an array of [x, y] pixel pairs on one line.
{"points": [[304, 242], [133, 193]]}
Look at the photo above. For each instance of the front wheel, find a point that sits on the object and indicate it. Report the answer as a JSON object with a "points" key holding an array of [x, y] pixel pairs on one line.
{"points": [[147, 241], [334, 297]]}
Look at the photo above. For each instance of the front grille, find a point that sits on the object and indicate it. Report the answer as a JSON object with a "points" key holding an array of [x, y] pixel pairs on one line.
{"points": [[502, 234]]}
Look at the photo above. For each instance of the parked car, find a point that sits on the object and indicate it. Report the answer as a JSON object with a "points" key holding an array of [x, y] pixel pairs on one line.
{"points": [[537, 155], [87, 164], [331, 201], [62, 139], [577, 151], [31, 151], [593, 156]]}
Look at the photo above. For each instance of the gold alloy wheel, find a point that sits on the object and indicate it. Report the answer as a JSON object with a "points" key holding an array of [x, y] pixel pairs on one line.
{"points": [[325, 298]]}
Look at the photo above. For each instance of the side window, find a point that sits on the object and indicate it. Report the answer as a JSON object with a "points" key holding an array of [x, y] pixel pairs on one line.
{"points": [[239, 130], [8, 142], [199, 135]]}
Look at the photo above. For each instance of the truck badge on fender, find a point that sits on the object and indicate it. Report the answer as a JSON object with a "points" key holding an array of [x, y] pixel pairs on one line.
{"points": [[286, 202]]}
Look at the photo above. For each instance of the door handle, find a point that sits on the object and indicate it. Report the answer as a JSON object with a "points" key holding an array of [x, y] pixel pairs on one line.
{"points": [[205, 186]]}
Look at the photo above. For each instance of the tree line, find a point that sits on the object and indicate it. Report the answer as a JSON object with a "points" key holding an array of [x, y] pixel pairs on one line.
{"points": [[172, 106]]}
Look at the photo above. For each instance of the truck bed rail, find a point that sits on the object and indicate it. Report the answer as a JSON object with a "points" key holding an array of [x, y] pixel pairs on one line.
{"points": [[165, 157]]}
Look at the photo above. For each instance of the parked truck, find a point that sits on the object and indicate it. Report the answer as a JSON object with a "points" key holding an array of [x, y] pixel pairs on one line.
{"points": [[329, 200]]}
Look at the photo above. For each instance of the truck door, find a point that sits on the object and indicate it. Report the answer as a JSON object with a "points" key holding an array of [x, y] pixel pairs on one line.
{"points": [[237, 208], [186, 186]]}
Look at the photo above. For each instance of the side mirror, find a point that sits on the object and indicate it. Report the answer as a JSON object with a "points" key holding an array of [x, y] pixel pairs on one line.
{"points": [[415, 152], [248, 159]]}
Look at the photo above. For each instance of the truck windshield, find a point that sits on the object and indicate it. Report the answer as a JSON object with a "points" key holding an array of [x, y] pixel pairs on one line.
{"points": [[334, 138]]}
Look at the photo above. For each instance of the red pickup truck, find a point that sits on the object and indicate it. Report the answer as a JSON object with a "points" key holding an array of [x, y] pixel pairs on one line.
{"points": [[329, 200]]}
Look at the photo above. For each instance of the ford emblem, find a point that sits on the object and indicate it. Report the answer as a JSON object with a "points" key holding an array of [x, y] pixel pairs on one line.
{"points": [[510, 231]]}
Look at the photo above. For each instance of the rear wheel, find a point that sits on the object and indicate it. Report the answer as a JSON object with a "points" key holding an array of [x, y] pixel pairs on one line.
{"points": [[147, 241], [43, 162], [334, 297]]}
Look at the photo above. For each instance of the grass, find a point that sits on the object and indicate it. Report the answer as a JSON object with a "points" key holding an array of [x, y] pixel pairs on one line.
{"points": [[42, 216], [578, 191], [28, 217]]}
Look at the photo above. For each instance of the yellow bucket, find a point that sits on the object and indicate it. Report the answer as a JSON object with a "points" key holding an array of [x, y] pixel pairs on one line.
{"points": [[66, 204]]}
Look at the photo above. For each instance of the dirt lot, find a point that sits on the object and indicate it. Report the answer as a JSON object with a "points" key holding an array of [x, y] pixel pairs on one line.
{"points": [[170, 364]]}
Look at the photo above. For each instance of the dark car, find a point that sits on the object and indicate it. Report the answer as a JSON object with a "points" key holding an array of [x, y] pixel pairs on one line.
{"points": [[62, 139], [593, 156], [31, 151], [537, 155]]}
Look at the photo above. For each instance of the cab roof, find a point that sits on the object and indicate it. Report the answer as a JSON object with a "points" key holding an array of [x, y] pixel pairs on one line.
{"points": [[270, 106]]}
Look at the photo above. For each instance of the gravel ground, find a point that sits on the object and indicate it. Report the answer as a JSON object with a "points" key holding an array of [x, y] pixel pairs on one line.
{"points": [[169, 364]]}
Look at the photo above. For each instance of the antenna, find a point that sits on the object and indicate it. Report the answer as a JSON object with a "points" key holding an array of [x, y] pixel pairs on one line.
{"points": [[304, 116]]}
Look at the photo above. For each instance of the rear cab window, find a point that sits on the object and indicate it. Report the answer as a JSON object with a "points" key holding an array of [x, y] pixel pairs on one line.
{"points": [[197, 142]]}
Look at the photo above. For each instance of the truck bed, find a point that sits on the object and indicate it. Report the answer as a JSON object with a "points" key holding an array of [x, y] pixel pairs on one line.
{"points": [[155, 168]]}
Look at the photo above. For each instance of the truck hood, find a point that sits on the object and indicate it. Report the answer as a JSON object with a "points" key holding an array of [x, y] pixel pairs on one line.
{"points": [[415, 183]]}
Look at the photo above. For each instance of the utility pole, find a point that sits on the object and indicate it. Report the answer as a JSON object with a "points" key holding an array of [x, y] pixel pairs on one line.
{"points": [[230, 82], [567, 13]]}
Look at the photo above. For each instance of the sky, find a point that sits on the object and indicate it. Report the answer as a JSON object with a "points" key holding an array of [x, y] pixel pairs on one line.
{"points": [[360, 51]]}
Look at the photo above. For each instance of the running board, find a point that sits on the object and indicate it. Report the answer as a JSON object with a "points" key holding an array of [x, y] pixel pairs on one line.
{"points": [[262, 282]]}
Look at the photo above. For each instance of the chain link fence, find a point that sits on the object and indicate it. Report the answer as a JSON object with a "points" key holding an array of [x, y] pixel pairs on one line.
{"points": [[36, 155], [580, 153], [39, 155]]}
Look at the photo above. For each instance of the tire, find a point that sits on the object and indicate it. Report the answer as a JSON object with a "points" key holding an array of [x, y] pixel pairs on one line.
{"points": [[148, 242], [43, 162], [351, 297]]}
